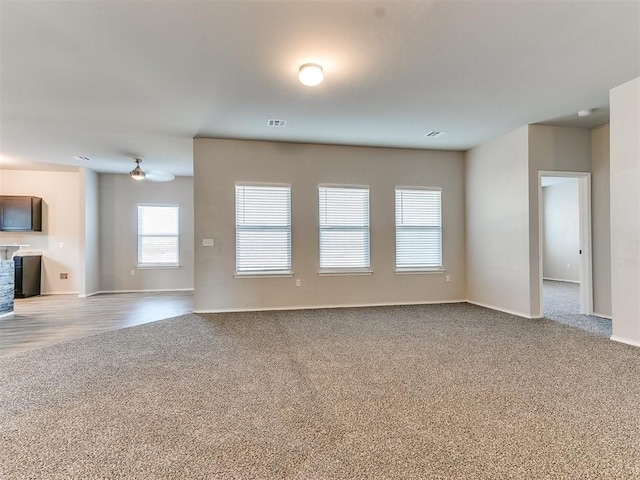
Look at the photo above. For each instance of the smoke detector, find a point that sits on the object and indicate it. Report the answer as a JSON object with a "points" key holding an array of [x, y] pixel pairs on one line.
{"points": [[586, 112]]}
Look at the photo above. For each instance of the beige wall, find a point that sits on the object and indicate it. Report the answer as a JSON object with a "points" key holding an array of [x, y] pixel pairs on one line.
{"points": [[625, 211], [119, 197], [218, 164], [558, 149], [601, 221], [561, 233], [59, 239], [497, 223]]}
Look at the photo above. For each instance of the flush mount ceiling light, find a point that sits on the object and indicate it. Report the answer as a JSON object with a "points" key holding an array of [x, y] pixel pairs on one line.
{"points": [[586, 112], [310, 74], [137, 173]]}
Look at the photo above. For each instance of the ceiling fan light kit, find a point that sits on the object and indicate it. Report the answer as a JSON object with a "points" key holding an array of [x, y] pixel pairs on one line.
{"points": [[153, 176], [137, 173]]}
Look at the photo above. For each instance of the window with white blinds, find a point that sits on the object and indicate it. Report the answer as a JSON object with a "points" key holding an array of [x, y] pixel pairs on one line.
{"points": [[158, 236], [344, 228], [263, 229], [418, 229]]}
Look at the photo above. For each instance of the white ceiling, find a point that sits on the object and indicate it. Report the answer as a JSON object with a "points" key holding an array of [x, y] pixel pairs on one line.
{"points": [[116, 79]]}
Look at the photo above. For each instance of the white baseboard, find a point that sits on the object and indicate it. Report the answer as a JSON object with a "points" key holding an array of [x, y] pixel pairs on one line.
{"points": [[625, 340], [602, 315], [145, 291], [504, 310], [58, 293], [6, 314], [87, 294], [316, 307], [561, 280]]}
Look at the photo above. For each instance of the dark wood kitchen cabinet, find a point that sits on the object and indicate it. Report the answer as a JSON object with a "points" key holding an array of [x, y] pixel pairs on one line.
{"points": [[20, 214]]}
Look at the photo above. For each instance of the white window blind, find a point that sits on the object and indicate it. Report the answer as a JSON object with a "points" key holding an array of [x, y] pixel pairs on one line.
{"points": [[344, 228], [158, 235], [418, 229], [263, 229]]}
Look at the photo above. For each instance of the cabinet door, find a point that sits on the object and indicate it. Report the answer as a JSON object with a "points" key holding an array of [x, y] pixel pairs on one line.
{"points": [[16, 214]]}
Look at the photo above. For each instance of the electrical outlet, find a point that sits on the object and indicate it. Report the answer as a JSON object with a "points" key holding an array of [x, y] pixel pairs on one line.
{"points": [[61, 244], [133, 272], [568, 265], [448, 278], [64, 276], [208, 242], [298, 282]]}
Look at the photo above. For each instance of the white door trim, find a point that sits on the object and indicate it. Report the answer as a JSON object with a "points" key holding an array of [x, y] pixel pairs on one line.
{"points": [[584, 224]]}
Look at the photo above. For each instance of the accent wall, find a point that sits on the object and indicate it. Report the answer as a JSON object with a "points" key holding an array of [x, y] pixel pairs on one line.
{"points": [[219, 164]]}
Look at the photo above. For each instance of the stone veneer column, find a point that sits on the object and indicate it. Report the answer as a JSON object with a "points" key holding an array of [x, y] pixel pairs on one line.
{"points": [[6, 286]]}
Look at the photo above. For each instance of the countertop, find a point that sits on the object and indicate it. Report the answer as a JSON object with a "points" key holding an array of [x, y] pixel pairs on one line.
{"points": [[6, 247]]}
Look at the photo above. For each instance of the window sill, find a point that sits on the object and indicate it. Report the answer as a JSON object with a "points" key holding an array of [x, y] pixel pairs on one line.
{"points": [[287, 273], [420, 271], [157, 267], [338, 272]]}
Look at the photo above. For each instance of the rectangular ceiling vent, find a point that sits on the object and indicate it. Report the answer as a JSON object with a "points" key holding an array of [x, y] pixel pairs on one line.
{"points": [[434, 134], [272, 122]]}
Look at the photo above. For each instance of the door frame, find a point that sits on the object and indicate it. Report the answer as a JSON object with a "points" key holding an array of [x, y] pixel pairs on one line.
{"points": [[584, 226]]}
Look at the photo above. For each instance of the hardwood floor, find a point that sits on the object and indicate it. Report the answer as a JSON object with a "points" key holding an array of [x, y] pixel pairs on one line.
{"points": [[48, 319]]}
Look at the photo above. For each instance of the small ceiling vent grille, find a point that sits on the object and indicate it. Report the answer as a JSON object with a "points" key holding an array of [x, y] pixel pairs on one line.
{"points": [[434, 134], [82, 158], [272, 122]]}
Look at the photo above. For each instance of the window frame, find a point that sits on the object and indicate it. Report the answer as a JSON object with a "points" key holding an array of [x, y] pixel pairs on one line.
{"points": [[421, 269], [287, 272], [155, 265], [347, 270]]}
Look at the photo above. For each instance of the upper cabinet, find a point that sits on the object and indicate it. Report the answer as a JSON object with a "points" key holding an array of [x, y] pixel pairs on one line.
{"points": [[20, 214]]}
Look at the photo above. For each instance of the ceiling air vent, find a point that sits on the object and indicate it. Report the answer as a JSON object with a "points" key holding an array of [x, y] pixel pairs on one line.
{"points": [[82, 158], [434, 134], [272, 122]]}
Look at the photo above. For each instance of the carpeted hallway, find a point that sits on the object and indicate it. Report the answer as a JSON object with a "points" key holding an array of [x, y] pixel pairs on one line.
{"points": [[561, 303], [437, 391]]}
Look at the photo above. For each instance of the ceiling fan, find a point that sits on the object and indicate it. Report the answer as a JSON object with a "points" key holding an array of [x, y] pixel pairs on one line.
{"points": [[153, 176]]}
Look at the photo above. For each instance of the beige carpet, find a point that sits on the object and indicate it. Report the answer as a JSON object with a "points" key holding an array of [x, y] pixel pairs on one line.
{"points": [[562, 304], [442, 391]]}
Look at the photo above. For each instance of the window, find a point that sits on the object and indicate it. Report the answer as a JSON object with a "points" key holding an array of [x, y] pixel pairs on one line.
{"points": [[263, 229], [344, 229], [418, 229], [158, 236]]}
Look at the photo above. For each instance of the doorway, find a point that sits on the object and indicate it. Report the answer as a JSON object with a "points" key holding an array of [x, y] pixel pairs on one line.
{"points": [[564, 205]]}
